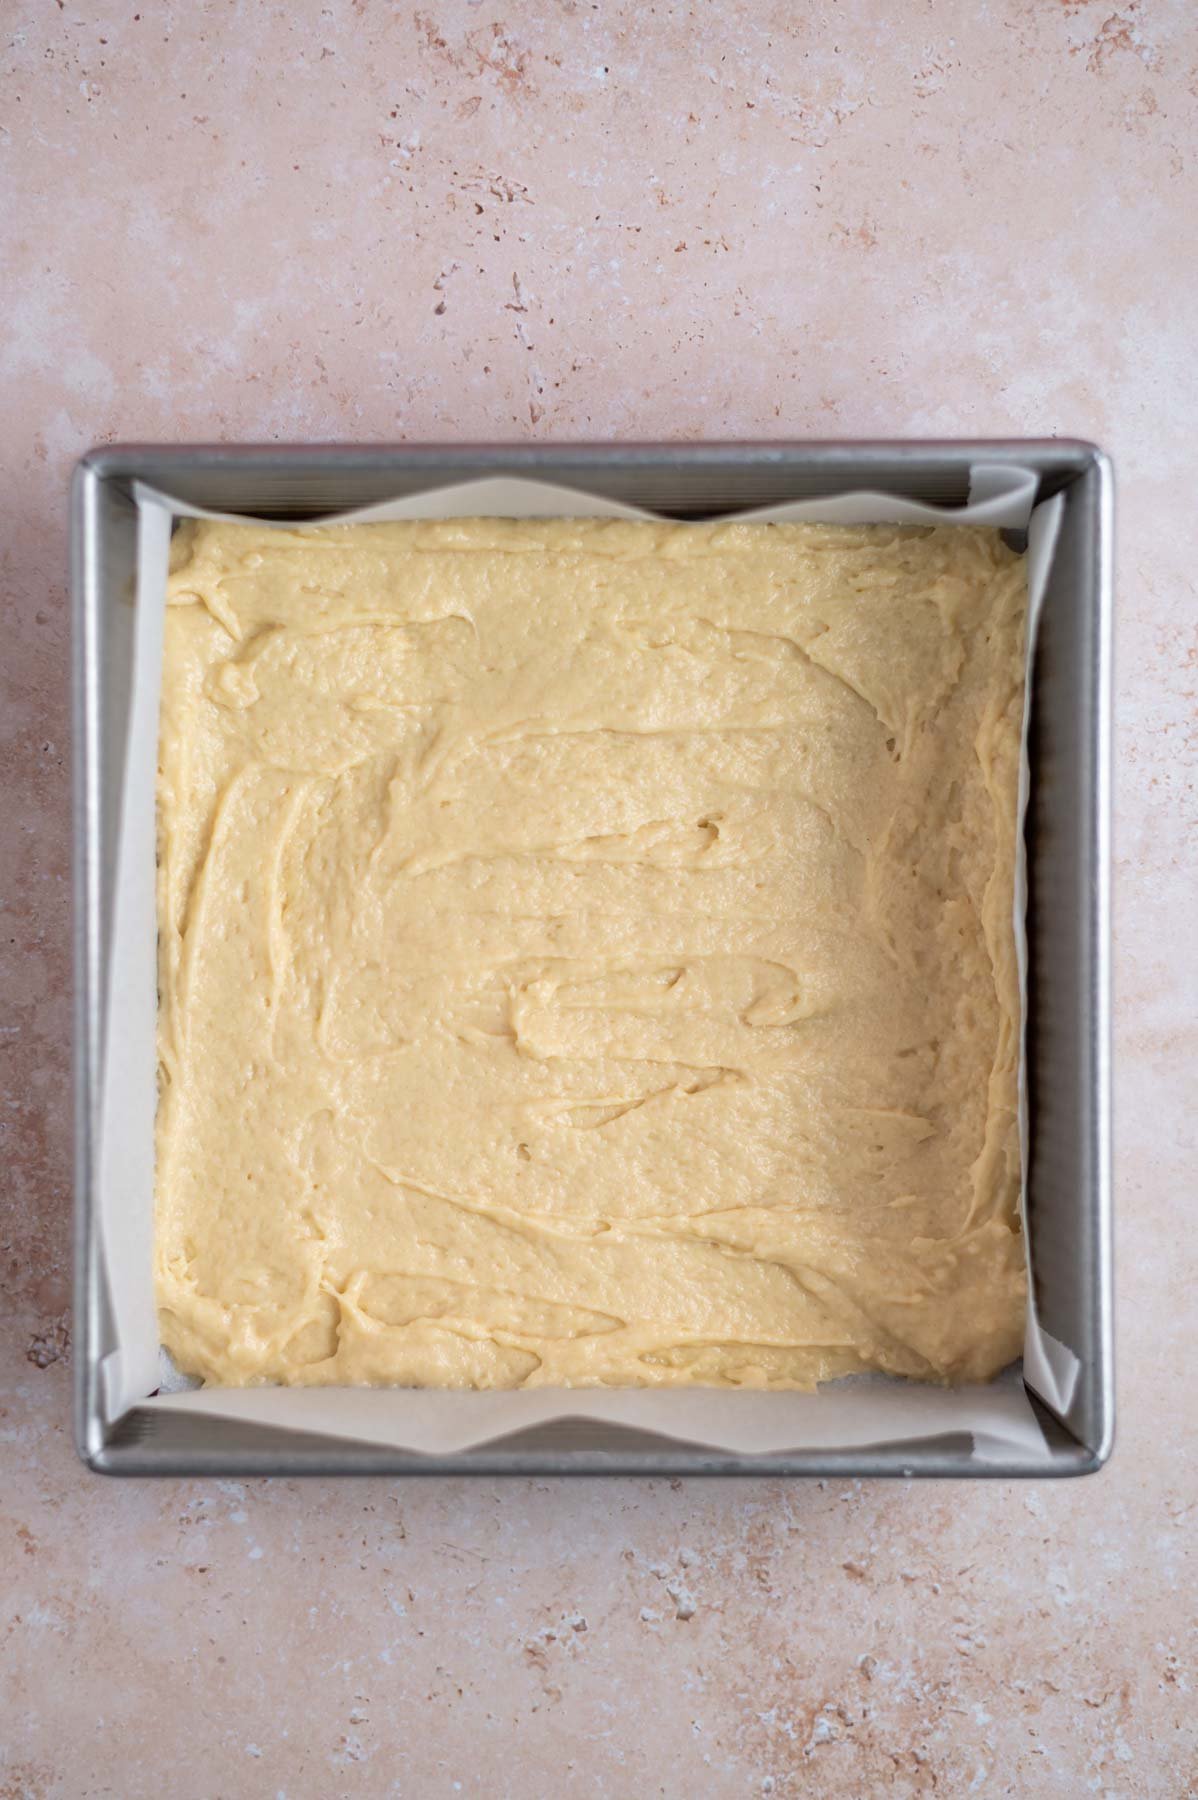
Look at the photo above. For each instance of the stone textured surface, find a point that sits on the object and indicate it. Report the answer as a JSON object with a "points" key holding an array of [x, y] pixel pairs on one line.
{"points": [[572, 220]]}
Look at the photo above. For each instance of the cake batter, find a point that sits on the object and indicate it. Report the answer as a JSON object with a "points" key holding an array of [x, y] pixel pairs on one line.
{"points": [[586, 954]]}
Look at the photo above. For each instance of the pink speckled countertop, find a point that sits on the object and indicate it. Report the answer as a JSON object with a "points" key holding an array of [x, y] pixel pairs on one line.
{"points": [[284, 221]]}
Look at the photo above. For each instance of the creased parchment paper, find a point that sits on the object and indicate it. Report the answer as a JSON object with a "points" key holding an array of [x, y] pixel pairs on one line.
{"points": [[863, 1411]]}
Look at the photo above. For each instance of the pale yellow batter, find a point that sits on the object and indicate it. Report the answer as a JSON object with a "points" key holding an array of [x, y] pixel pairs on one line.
{"points": [[587, 954]]}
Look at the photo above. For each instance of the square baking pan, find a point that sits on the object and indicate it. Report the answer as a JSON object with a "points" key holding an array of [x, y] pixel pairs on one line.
{"points": [[1068, 1212]]}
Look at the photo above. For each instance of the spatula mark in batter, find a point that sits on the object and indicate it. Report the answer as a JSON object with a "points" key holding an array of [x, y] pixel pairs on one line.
{"points": [[593, 1114]]}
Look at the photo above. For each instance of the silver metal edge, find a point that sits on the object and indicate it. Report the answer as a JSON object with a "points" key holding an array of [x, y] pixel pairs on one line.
{"points": [[1063, 461], [1102, 473], [85, 674]]}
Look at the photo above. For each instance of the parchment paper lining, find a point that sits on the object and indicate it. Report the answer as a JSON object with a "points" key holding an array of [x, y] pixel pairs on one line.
{"points": [[843, 1415]]}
